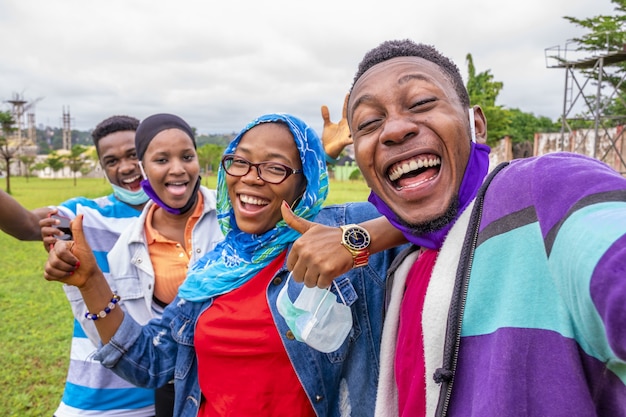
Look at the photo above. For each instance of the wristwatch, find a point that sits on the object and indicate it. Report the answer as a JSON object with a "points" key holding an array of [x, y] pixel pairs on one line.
{"points": [[357, 240]]}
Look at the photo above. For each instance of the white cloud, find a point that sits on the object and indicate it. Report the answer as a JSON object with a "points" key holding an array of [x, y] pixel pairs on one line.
{"points": [[220, 64]]}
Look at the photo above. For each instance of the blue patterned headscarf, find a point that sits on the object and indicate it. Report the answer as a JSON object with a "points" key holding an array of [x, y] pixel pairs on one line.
{"points": [[241, 255]]}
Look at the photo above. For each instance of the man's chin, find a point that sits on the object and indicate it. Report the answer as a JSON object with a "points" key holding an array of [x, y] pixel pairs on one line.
{"points": [[435, 224]]}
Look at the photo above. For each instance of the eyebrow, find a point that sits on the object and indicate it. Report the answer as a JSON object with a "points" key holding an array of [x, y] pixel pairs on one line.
{"points": [[363, 99], [269, 157], [410, 77], [368, 97], [173, 151]]}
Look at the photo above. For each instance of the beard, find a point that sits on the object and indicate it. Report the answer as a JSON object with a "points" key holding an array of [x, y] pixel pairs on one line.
{"points": [[435, 224]]}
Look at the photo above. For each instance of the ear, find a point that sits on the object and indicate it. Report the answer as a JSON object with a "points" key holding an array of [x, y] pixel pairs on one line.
{"points": [[480, 124]]}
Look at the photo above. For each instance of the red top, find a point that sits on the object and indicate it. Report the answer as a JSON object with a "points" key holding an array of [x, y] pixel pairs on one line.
{"points": [[410, 366], [243, 367]]}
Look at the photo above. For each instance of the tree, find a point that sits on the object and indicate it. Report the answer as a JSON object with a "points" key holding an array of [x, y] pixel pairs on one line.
{"points": [[221, 139], [7, 151], [76, 160], [40, 166], [55, 162], [209, 157], [524, 126], [28, 161], [483, 91], [606, 34]]}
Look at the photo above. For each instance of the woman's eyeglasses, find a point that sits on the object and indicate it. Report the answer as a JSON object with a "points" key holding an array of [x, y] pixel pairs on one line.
{"points": [[271, 172]]}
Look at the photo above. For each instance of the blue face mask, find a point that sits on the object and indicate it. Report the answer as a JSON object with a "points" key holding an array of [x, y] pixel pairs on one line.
{"points": [[134, 198], [316, 317]]}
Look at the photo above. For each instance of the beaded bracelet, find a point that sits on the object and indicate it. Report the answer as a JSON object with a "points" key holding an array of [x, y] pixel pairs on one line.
{"points": [[102, 314]]}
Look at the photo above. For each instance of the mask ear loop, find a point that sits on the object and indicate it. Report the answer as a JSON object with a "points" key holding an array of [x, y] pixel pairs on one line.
{"points": [[343, 300], [143, 173], [472, 127]]}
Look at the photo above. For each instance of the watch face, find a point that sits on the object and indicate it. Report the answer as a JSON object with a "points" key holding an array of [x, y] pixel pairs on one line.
{"points": [[357, 238]]}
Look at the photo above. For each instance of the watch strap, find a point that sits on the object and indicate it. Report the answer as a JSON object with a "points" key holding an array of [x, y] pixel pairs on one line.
{"points": [[360, 259]]}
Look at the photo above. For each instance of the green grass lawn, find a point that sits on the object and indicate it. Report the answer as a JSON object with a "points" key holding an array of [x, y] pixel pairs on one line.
{"points": [[35, 318]]}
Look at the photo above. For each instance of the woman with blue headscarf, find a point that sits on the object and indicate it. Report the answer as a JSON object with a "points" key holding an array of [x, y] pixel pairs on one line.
{"points": [[222, 339]]}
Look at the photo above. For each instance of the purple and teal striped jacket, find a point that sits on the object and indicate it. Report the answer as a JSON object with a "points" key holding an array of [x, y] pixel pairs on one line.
{"points": [[542, 317]]}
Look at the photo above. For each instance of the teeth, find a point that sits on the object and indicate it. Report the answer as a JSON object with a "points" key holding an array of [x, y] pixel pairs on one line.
{"points": [[129, 180], [247, 199], [413, 165]]}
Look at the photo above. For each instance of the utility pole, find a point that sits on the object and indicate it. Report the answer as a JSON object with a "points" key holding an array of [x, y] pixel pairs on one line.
{"points": [[32, 132], [67, 129]]}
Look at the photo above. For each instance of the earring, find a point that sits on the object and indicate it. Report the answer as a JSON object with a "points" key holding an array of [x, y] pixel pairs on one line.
{"points": [[296, 202]]}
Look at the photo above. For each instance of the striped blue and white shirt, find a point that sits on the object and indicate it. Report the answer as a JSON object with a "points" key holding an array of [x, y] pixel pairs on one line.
{"points": [[90, 388]]}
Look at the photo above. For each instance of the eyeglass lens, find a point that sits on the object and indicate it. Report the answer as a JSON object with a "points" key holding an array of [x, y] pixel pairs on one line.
{"points": [[271, 172]]}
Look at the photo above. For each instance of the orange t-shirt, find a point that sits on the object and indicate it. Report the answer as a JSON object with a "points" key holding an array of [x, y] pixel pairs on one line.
{"points": [[169, 258], [243, 368]]}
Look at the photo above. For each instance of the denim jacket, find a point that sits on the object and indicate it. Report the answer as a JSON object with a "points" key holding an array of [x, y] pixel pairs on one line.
{"points": [[341, 383]]}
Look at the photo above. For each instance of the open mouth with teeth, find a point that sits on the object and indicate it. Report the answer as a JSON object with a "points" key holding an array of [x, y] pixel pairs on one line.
{"points": [[414, 171], [133, 183], [249, 202]]}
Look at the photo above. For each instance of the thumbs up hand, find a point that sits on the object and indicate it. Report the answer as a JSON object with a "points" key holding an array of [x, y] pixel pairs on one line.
{"points": [[317, 257], [71, 262]]}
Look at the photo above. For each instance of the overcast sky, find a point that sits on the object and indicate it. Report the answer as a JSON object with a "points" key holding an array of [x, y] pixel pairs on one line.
{"points": [[218, 64]]}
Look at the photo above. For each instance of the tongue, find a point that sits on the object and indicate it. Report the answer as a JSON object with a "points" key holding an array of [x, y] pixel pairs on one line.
{"points": [[177, 190], [135, 185], [251, 207], [416, 177]]}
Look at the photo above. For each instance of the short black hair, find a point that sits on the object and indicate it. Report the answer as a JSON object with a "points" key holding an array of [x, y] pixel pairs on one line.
{"points": [[406, 47], [113, 124]]}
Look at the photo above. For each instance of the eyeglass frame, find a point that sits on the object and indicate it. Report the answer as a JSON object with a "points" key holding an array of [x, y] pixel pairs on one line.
{"points": [[288, 170]]}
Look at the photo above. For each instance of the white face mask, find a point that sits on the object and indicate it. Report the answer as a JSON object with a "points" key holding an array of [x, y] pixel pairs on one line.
{"points": [[316, 318]]}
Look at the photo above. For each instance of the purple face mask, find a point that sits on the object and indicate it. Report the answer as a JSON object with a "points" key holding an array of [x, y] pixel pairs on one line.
{"points": [[475, 172], [145, 184]]}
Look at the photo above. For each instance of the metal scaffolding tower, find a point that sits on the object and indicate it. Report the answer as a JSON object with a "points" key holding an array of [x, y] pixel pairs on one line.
{"points": [[19, 109], [591, 84]]}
